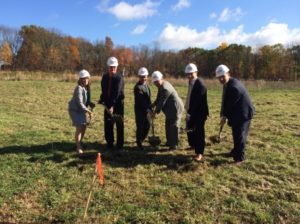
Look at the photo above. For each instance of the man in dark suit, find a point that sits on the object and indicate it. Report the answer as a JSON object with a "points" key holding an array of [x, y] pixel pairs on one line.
{"points": [[112, 96], [197, 111], [238, 109], [142, 106]]}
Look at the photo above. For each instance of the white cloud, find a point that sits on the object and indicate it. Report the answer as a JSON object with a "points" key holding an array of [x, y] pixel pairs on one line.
{"points": [[230, 14], [213, 15], [139, 29], [183, 37], [179, 37], [103, 5], [181, 4], [126, 11]]}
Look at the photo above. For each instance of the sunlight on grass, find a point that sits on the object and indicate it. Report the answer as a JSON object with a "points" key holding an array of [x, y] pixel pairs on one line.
{"points": [[44, 181]]}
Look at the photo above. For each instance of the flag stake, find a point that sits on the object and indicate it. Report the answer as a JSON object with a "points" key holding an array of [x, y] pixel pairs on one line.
{"points": [[101, 180]]}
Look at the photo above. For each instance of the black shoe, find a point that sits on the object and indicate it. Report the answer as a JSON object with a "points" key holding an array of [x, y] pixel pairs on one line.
{"points": [[109, 146], [119, 148], [140, 146], [174, 147], [239, 162]]}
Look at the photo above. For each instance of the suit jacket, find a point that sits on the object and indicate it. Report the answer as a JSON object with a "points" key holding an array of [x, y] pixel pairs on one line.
{"points": [[115, 96], [168, 101], [142, 98], [236, 104], [198, 107]]}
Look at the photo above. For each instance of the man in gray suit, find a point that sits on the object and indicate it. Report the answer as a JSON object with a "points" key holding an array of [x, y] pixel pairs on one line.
{"points": [[168, 101]]}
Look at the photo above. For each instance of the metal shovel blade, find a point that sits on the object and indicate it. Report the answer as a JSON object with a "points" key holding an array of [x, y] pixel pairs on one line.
{"points": [[217, 138], [153, 140]]}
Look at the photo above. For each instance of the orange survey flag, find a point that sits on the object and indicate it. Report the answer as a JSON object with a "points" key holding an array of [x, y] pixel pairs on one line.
{"points": [[100, 169]]}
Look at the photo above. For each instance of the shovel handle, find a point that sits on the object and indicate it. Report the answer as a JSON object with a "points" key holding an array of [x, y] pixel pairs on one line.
{"points": [[221, 129], [152, 126]]}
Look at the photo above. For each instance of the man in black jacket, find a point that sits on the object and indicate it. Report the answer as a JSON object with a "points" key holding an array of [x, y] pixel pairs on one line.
{"points": [[197, 111], [112, 97], [238, 109], [142, 106]]}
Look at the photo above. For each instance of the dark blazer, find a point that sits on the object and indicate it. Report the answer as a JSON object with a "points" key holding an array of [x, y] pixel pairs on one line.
{"points": [[236, 106], [116, 96], [142, 98], [198, 107]]}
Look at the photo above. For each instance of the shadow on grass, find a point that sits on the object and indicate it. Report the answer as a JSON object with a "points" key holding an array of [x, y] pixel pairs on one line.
{"points": [[128, 157]]}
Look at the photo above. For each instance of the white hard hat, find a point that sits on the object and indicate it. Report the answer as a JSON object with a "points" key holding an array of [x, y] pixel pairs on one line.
{"points": [[112, 61], [143, 71], [156, 76], [221, 70], [84, 74], [190, 68]]}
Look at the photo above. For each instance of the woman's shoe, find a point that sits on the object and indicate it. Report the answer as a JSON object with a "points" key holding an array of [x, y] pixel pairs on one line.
{"points": [[198, 158], [79, 151]]}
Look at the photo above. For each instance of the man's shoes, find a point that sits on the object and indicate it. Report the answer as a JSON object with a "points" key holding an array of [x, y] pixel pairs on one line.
{"points": [[239, 162], [174, 147], [109, 146], [140, 146], [119, 148]]}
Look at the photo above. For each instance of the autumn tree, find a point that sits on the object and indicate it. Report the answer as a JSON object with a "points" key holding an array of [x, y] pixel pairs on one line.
{"points": [[100, 57], [87, 56], [6, 54], [74, 59], [109, 46], [125, 57], [238, 57]]}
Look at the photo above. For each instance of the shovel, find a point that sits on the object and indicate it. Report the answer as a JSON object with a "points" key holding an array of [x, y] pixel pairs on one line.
{"points": [[114, 117], [217, 139], [153, 140], [89, 117]]}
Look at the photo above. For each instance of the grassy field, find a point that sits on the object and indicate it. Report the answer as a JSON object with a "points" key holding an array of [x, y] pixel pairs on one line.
{"points": [[42, 180]]}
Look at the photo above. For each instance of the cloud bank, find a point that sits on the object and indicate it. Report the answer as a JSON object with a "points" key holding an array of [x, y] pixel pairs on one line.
{"points": [[139, 29], [181, 4], [180, 37], [126, 11]]}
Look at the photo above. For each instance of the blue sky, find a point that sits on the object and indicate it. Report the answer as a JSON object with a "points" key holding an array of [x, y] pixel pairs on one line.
{"points": [[173, 24]]}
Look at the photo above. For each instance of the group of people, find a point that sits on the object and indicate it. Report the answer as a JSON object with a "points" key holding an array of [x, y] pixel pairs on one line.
{"points": [[236, 108]]}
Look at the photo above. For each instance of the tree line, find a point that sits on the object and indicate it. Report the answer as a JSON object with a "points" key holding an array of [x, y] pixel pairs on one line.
{"points": [[35, 48]]}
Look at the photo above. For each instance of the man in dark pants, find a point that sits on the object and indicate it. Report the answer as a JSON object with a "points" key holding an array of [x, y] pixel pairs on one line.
{"points": [[142, 107], [112, 96], [197, 111], [238, 109]]}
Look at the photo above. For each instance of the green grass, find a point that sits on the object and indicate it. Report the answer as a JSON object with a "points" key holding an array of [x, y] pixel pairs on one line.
{"points": [[44, 181]]}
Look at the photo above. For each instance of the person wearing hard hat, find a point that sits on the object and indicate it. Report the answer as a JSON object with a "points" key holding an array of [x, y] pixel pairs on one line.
{"points": [[169, 102], [78, 107], [197, 111], [238, 109], [112, 97], [142, 106]]}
